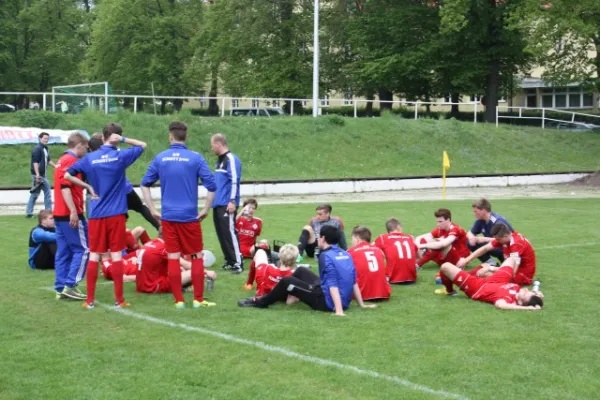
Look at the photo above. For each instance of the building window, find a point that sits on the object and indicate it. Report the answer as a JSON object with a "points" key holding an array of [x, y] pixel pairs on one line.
{"points": [[325, 101], [547, 101], [255, 103], [235, 103], [276, 103], [574, 100], [448, 99], [348, 98], [475, 97], [588, 100]]}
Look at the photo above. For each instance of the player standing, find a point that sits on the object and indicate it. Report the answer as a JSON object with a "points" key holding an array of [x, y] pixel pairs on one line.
{"points": [[71, 226], [105, 171], [369, 262], [178, 170], [400, 253]]}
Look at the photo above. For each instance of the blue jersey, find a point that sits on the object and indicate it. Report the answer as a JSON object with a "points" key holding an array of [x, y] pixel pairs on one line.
{"points": [[336, 269], [42, 247], [105, 172], [486, 227], [178, 170], [128, 186], [228, 173]]}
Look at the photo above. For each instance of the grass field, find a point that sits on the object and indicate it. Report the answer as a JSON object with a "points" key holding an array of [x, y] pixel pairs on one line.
{"points": [[331, 147], [416, 346]]}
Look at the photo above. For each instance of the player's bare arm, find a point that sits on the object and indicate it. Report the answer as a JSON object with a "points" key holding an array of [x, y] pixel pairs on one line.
{"points": [[207, 205], [476, 254], [73, 217], [503, 305], [76, 181], [337, 301], [147, 195], [439, 244], [359, 299], [116, 139]]}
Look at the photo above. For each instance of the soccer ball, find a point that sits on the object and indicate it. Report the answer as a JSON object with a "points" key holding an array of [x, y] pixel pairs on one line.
{"points": [[209, 258]]}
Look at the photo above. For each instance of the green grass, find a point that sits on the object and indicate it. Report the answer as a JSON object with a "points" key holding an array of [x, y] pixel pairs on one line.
{"points": [[55, 350], [332, 147]]}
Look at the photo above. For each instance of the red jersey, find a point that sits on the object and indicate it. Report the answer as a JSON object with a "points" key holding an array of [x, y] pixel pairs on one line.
{"points": [[60, 207], [248, 230], [153, 266], [129, 267], [491, 289], [371, 278], [460, 244], [520, 248], [400, 253], [267, 276]]}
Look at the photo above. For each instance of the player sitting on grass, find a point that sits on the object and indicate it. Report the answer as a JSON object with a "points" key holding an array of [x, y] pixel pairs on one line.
{"points": [[311, 232], [400, 253], [331, 291], [485, 220], [369, 262], [495, 289], [42, 242], [248, 227], [514, 245], [268, 275]]}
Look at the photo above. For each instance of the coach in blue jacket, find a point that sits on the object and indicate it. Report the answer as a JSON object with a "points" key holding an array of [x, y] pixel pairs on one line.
{"points": [[228, 173], [42, 242]]}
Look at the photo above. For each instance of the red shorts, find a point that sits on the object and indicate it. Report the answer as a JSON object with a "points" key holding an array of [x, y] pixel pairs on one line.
{"points": [[522, 280], [468, 283], [163, 286], [182, 237], [107, 233]]}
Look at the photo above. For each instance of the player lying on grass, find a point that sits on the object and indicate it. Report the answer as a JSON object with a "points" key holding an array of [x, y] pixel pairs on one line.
{"points": [[369, 262], [332, 290], [485, 220], [268, 275], [513, 245], [149, 268], [496, 289], [400, 253], [308, 240], [135, 237]]}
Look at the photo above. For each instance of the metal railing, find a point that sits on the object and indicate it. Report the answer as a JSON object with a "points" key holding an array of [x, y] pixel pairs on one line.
{"points": [[544, 117], [227, 102]]}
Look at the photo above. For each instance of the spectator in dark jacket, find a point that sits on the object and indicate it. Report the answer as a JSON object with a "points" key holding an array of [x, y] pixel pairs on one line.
{"points": [[42, 242], [40, 159]]}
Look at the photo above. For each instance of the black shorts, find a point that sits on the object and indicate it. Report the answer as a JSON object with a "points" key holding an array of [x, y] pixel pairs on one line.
{"points": [[310, 249]]}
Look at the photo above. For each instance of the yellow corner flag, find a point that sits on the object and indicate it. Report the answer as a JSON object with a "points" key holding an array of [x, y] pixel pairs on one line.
{"points": [[446, 161], [445, 166]]}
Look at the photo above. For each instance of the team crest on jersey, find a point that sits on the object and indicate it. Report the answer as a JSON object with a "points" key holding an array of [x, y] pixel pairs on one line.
{"points": [[460, 279], [254, 226]]}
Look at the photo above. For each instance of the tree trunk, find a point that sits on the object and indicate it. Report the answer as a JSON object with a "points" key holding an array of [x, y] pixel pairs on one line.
{"points": [[491, 91], [163, 104], [454, 109], [213, 106], [177, 104], [385, 95], [369, 109]]}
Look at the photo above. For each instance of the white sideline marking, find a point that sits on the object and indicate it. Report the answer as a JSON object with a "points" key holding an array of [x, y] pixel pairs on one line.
{"points": [[285, 352], [566, 246]]}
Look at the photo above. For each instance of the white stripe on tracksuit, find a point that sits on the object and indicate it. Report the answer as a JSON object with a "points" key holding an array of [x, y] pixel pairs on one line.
{"points": [[234, 239], [84, 258]]}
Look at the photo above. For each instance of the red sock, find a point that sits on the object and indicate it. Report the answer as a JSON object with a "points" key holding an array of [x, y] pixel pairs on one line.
{"points": [[429, 256], [117, 274], [251, 273], [447, 283], [175, 279], [90, 280], [198, 278], [144, 238]]}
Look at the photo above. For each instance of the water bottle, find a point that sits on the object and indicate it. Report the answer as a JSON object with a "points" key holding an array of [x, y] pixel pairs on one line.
{"points": [[210, 284], [536, 286]]}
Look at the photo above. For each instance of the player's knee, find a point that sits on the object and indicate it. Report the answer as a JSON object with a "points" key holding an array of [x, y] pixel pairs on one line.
{"points": [[446, 267], [309, 229]]}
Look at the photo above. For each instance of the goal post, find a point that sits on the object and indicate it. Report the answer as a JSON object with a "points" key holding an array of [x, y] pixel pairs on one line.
{"points": [[75, 98]]}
